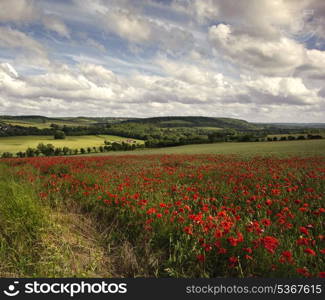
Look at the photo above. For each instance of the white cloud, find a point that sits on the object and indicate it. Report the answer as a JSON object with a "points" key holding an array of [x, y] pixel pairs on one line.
{"points": [[17, 11], [98, 74], [29, 11], [278, 90], [314, 66], [99, 91], [230, 58], [191, 73], [280, 56], [54, 24], [14, 39], [94, 44], [127, 25], [8, 70]]}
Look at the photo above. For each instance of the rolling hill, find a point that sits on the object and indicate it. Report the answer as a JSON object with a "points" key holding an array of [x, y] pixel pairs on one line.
{"points": [[161, 122], [198, 121]]}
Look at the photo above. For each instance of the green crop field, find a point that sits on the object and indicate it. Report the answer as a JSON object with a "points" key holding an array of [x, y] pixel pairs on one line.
{"points": [[283, 148], [21, 143]]}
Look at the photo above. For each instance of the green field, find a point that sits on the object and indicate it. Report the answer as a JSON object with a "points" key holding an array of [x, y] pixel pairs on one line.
{"points": [[21, 143], [302, 147], [293, 134], [283, 148], [42, 125]]}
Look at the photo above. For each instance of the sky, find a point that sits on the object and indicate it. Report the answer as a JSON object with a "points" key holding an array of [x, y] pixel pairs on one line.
{"points": [[257, 60]]}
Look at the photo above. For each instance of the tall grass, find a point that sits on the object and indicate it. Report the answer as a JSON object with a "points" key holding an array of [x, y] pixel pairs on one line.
{"points": [[22, 220], [44, 239]]}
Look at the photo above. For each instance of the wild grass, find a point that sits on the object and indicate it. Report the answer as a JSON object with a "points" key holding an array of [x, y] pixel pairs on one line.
{"points": [[22, 220], [41, 240]]}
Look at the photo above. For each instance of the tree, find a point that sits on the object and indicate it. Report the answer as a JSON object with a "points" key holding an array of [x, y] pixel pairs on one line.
{"points": [[116, 146], [58, 151], [21, 154], [54, 126], [30, 152], [246, 138], [217, 137], [82, 151], [65, 150], [6, 155], [46, 150], [314, 136], [59, 135]]}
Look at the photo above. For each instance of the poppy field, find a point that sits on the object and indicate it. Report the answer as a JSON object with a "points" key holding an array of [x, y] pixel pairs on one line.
{"points": [[195, 215]]}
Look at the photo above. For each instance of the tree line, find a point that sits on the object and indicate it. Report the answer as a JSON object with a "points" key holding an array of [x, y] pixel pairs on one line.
{"points": [[51, 150]]}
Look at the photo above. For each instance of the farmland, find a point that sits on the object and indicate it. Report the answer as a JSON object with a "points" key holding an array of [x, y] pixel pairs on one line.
{"points": [[280, 148], [226, 203], [174, 215], [21, 143]]}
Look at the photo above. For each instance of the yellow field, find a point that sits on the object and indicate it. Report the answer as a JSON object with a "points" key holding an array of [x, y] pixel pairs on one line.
{"points": [[21, 143]]}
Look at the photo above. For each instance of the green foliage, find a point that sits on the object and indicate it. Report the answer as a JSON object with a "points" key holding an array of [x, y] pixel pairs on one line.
{"points": [[6, 155], [59, 135], [46, 150]]}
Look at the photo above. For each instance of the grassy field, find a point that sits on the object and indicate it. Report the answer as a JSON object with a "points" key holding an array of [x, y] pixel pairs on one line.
{"points": [[42, 125], [21, 143], [296, 135], [283, 148]]}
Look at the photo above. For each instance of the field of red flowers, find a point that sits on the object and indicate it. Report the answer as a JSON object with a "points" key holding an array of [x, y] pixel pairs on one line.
{"points": [[199, 215]]}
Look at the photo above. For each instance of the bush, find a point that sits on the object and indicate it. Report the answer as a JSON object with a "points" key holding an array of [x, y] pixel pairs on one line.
{"points": [[7, 155], [59, 135]]}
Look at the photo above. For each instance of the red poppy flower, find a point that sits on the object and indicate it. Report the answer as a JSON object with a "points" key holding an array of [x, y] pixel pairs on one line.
{"points": [[188, 230], [303, 271], [270, 243], [310, 251], [266, 222], [200, 257], [268, 202], [304, 230]]}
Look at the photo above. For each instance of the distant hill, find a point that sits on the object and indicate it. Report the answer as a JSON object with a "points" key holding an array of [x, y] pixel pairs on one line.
{"points": [[45, 122], [161, 122], [197, 121], [292, 125]]}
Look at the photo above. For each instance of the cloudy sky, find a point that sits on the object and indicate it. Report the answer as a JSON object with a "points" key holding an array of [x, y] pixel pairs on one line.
{"points": [[259, 60]]}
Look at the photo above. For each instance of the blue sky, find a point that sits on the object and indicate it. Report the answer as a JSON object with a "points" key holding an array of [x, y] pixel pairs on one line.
{"points": [[262, 61]]}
